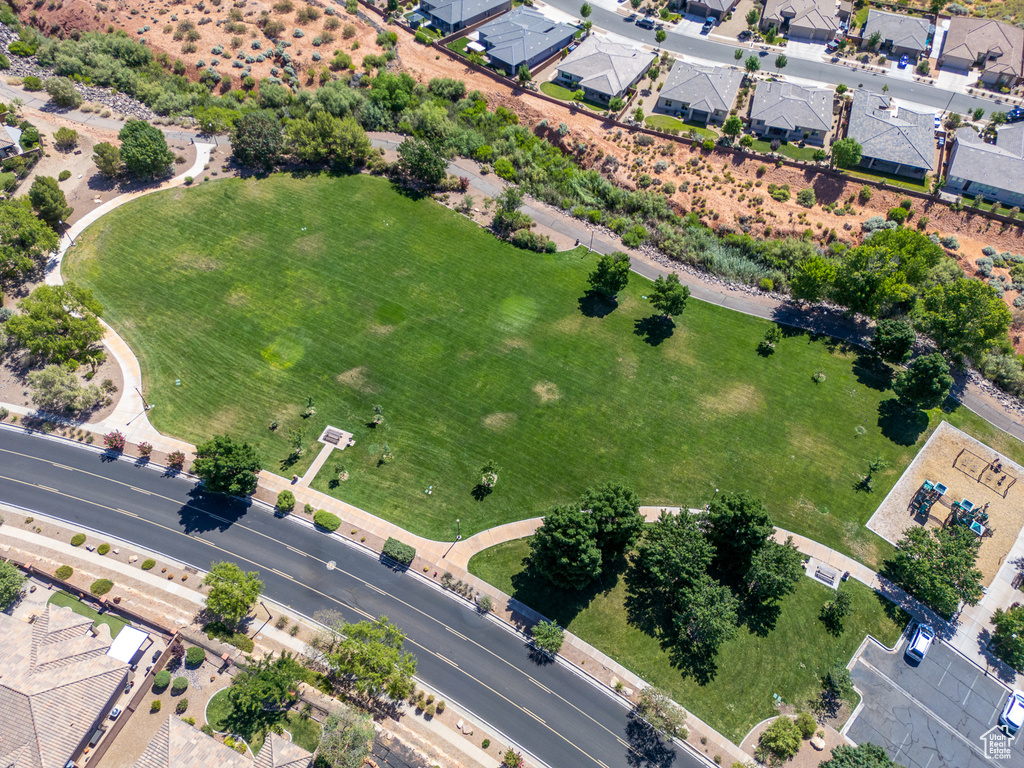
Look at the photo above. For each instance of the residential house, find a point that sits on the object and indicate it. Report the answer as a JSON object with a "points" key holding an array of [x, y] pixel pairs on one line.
{"points": [[893, 139], [791, 113], [57, 684], [992, 171], [806, 19], [523, 36], [898, 33], [711, 9], [603, 69], [179, 745], [997, 48], [699, 93], [450, 16]]}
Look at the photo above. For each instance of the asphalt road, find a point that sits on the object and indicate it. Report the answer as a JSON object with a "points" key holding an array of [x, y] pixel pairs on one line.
{"points": [[929, 715], [820, 71], [555, 714]]}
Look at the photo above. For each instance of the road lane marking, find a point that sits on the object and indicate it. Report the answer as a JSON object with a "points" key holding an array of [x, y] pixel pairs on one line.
{"points": [[296, 551], [542, 686], [126, 512], [143, 491], [456, 633], [282, 573], [44, 488], [533, 716], [62, 466]]}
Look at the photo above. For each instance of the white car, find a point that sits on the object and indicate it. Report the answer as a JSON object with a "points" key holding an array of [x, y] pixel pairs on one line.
{"points": [[1012, 717], [920, 643]]}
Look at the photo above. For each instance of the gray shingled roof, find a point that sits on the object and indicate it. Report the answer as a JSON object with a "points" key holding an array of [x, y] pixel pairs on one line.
{"points": [[55, 681], [968, 38], [904, 31], [723, 6], [455, 11], [785, 105], [817, 14], [897, 135], [606, 67], [998, 165], [703, 88], [521, 34]]}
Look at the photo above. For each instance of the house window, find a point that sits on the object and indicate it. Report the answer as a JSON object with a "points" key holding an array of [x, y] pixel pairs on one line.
{"points": [[668, 102]]}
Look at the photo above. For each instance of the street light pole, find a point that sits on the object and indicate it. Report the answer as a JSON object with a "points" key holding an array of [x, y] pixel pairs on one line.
{"points": [[458, 536]]}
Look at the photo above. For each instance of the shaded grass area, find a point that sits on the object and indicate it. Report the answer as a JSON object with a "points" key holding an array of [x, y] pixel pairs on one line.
{"points": [[666, 122], [459, 46], [258, 294], [561, 92], [788, 149], [889, 178], [789, 660], [68, 601], [305, 731]]}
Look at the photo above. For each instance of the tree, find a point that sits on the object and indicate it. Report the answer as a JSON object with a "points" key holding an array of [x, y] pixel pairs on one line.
{"points": [[708, 618], [25, 242], [107, 158], [58, 323], [226, 466], [732, 126], [263, 685], [370, 654], [846, 153], [63, 93], [524, 74], [668, 296], [48, 201], [965, 317], [233, 592], [65, 139], [656, 706], [866, 755], [611, 274], [737, 526], [781, 61], [144, 149], [779, 742], [752, 17], [835, 611], [257, 140], [422, 161], [660, 36], [55, 388], [11, 582], [894, 339], [737, 54], [871, 278], [752, 64], [774, 571], [585, 10], [938, 567], [345, 740], [874, 39], [925, 383], [548, 636], [814, 279], [324, 137], [564, 549], [616, 509], [1007, 641]]}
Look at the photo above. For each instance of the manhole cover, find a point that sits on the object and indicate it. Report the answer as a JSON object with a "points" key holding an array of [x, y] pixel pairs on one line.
{"points": [[331, 565]]}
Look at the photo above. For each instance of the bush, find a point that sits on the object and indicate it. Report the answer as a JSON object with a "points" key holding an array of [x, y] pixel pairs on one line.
{"points": [[195, 656], [64, 176], [115, 441], [78, 540], [807, 724], [779, 742], [286, 501], [31, 83], [155, 706], [103, 548], [100, 587], [951, 242], [162, 679], [180, 685], [181, 706], [396, 550], [898, 214], [148, 564], [326, 520], [864, 195], [806, 197], [64, 572]]}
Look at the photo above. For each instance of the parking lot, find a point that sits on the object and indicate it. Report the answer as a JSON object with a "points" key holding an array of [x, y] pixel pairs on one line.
{"points": [[932, 715]]}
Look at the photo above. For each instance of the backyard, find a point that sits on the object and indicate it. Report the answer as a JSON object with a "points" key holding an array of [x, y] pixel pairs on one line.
{"points": [[789, 660], [304, 730], [788, 149], [665, 122], [115, 623], [557, 91], [296, 290]]}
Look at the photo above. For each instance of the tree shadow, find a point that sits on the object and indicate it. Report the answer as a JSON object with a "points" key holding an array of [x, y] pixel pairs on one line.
{"points": [[539, 657], [690, 660], [561, 606], [646, 747], [872, 372], [654, 329], [596, 304], [289, 462], [481, 491], [211, 511], [900, 425], [759, 618]]}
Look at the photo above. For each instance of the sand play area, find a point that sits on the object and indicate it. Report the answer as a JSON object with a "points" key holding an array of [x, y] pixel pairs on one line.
{"points": [[969, 470]]}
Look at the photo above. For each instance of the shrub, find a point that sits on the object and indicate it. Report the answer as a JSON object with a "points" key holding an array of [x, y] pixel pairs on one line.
{"points": [[176, 460], [286, 501], [155, 706], [31, 83], [103, 548], [195, 656], [548, 635], [181, 706], [779, 742], [180, 685], [64, 572], [766, 284], [708, 145], [326, 520], [64, 176], [115, 441], [806, 197], [78, 540], [485, 604], [807, 724], [396, 550], [148, 564], [162, 679], [899, 215], [951, 242], [864, 195], [100, 587], [988, 250]]}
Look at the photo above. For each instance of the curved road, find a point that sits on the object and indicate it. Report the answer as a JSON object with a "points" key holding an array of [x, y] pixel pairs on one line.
{"points": [[553, 712]]}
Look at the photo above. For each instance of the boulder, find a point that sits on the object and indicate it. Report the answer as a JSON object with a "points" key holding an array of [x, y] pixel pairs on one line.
{"points": [[818, 743]]}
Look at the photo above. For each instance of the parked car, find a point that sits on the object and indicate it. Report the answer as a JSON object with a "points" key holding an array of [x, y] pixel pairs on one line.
{"points": [[904, 60], [646, 23], [832, 46], [709, 24], [745, 34], [631, 18], [920, 643], [115, 713], [1015, 115], [1012, 717]]}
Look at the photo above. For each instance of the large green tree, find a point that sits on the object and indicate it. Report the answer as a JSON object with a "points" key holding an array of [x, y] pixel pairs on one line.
{"points": [[144, 149], [774, 571], [846, 153], [26, 242], [965, 317], [371, 655], [736, 525], [422, 161], [257, 139], [564, 549], [924, 384], [11, 582], [345, 740], [58, 323], [324, 137], [938, 567], [232, 593], [668, 296], [706, 619], [55, 388], [894, 339], [227, 466], [1008, 639], [814, 278], [262, 685], [616, 509], [63, 93], [866, 755], [870, 278], [49, 202], [611, 274], [107, 158]]}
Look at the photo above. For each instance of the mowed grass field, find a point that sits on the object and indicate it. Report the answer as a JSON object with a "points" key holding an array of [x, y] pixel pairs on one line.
{"points": [[258, 294], [788, 660]]}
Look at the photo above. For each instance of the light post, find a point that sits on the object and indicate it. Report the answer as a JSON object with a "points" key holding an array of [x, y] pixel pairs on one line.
{"points": [[458, 536]]}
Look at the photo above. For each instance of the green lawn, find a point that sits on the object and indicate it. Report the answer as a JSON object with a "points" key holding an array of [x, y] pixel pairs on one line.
{"points": [[459, 46], [892, 179], [305, 731], [788, 661], [665, 122], [791, 151], [260, 293], [64, 599], [560, 92]]}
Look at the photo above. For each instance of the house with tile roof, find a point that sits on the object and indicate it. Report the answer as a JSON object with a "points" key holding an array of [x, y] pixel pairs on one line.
{"points": [[710, 9], [790, 112], [179, 745], [893, 139], [523, 36], [603, 69], [996, 48], [57, 684], [899, 33], [992, 171], [806, 19], [700, 93], [450, 16]]}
